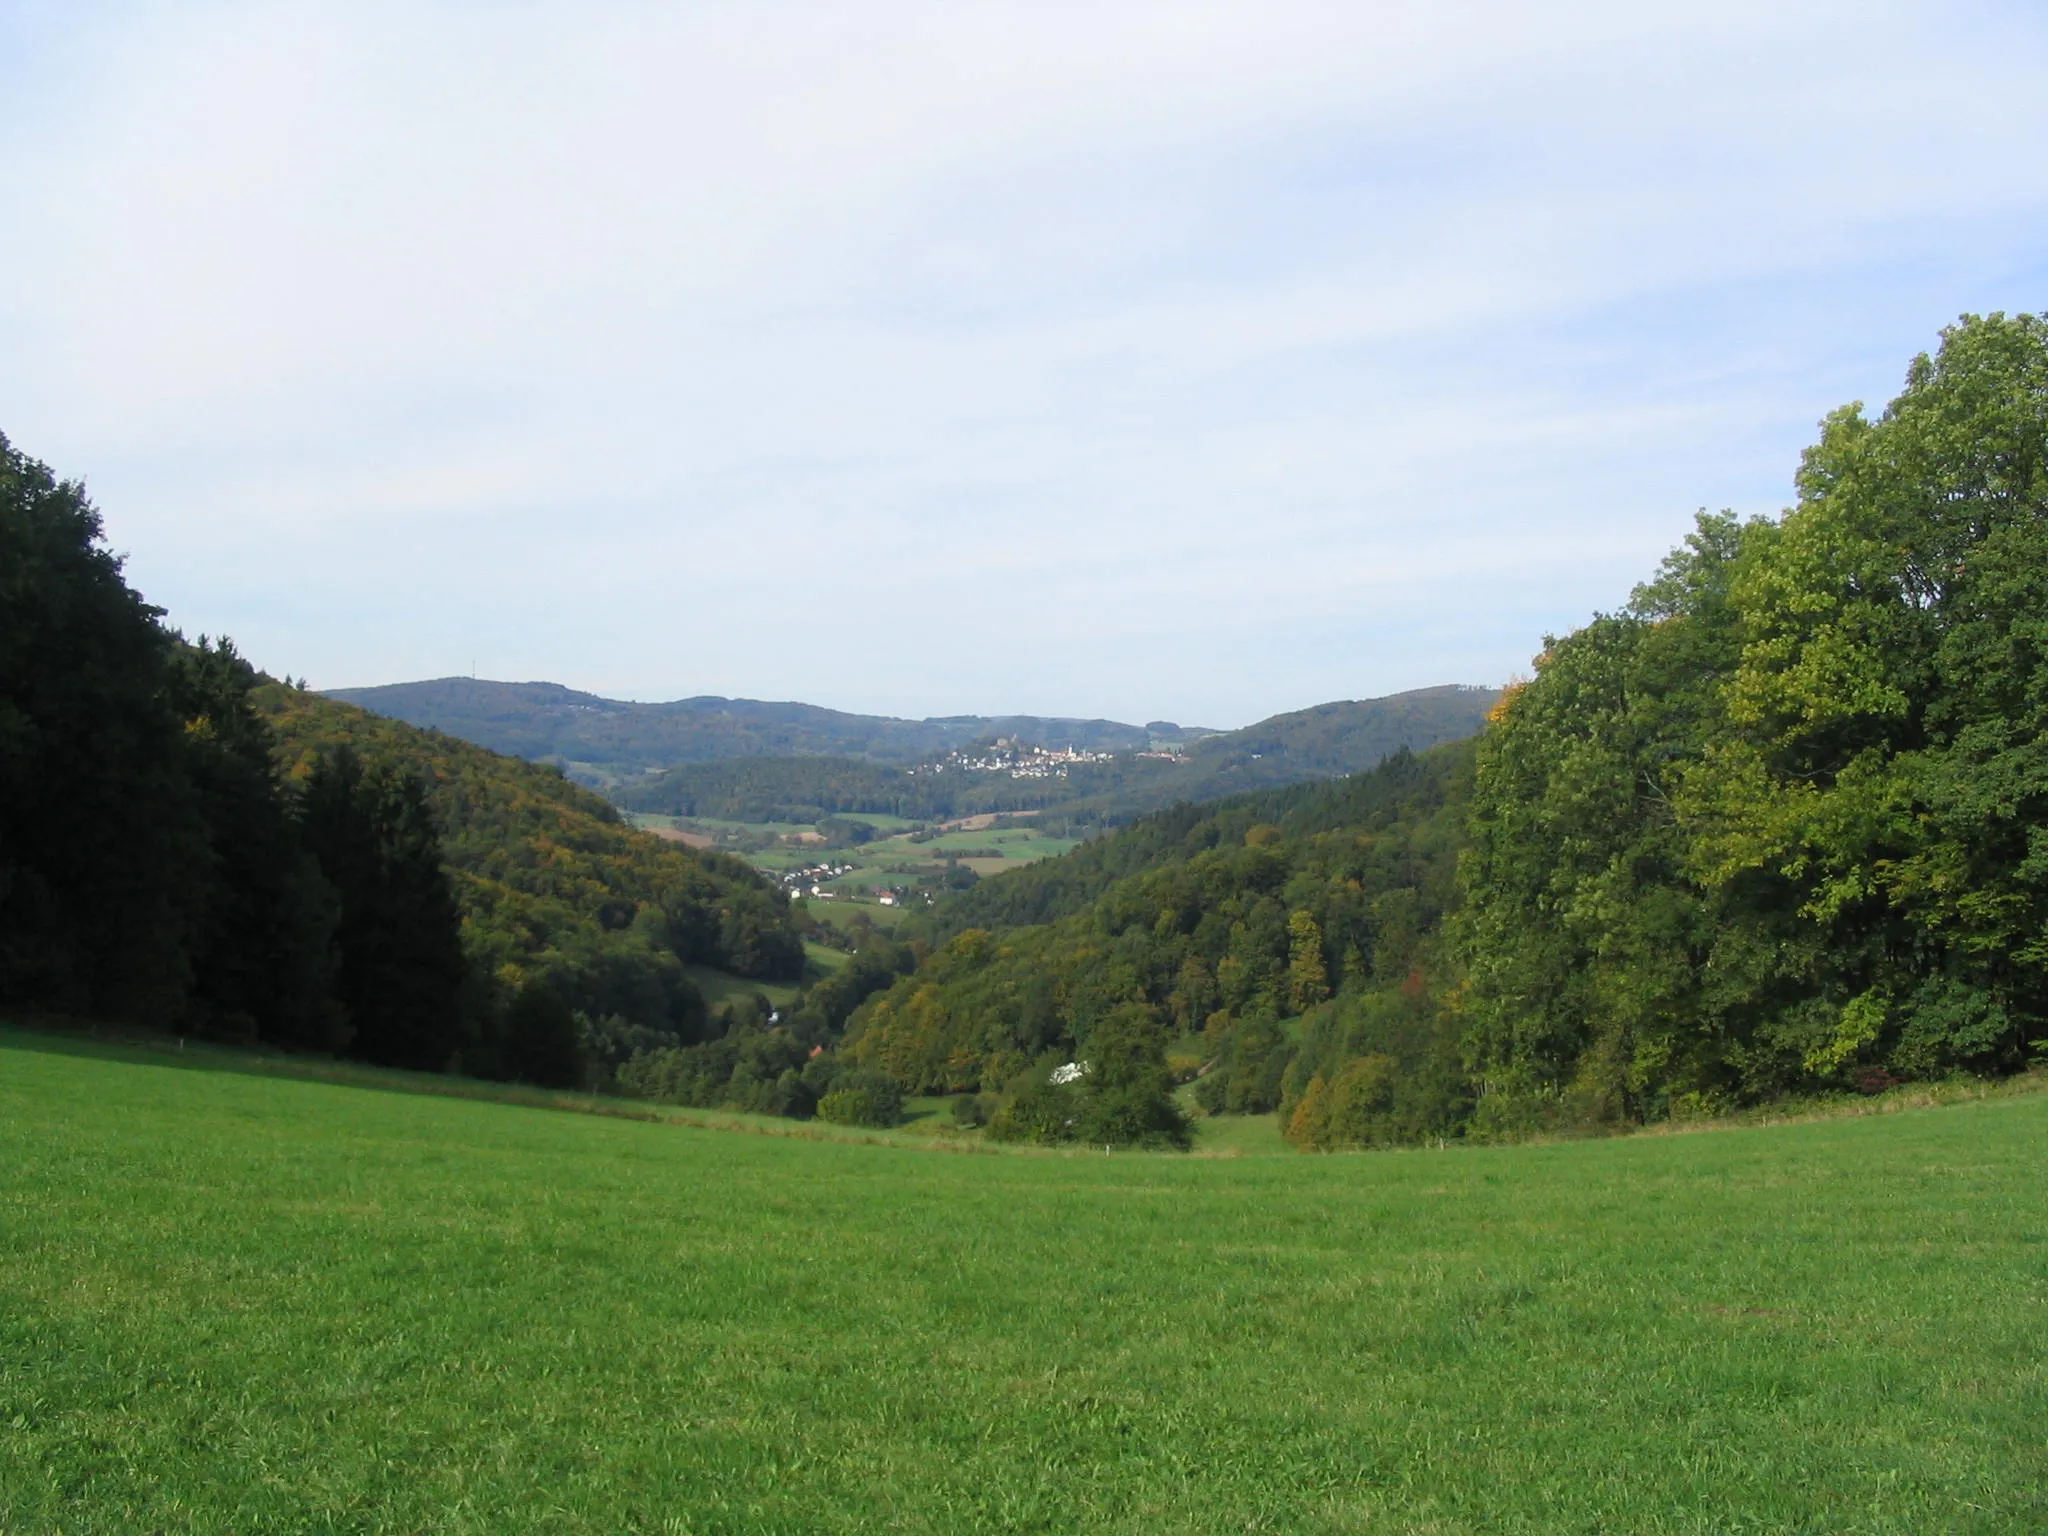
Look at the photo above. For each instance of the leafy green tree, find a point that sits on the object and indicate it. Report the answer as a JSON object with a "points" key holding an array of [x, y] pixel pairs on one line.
{"points": [[1040, 1112], [1308, 979], [1884, 756], [862, 1096], [1778, 824], [1126, 1096], [1194, 995]]}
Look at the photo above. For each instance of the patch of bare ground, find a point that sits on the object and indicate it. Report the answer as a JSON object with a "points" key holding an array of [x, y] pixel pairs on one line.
{"points": [[983, 821], [687, 839]]}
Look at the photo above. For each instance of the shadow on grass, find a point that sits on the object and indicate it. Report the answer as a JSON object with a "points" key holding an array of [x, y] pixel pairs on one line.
{"points": [[924, 1127], [138, 1047]]}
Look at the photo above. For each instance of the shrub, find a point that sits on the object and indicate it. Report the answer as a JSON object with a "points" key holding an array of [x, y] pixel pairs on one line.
{"points": [[862, 1097], [1043, 1112]]}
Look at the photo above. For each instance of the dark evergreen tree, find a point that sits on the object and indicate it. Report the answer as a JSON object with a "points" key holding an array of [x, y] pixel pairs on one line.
{"points": [[540, 1038], [263, 935], [401, 969], [100, 831]]}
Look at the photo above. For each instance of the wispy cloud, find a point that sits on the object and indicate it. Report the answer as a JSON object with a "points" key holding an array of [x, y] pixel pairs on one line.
{"points": [[1150, 360]]}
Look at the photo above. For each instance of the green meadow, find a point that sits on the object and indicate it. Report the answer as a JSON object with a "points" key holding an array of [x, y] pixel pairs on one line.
{"points": [[897, 859], [846, 915], [238, 1301]]}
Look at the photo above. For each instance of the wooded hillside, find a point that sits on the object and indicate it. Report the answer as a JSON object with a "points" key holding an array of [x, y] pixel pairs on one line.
{"points": [[551, 883], [1779, 825], [186, 844], [1320, 902]]}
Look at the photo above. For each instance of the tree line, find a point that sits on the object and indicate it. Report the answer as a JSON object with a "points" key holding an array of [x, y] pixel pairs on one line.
{"points": [[1779, 825], [1782, 821], [188, 844]]}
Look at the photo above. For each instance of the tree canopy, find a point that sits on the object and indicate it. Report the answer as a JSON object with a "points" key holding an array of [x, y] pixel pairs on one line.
{"points": [[1784, 819]]}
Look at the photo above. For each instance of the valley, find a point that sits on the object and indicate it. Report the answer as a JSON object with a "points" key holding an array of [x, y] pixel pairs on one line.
{"points": [[749, 761], [603, 927], [886, 863]]}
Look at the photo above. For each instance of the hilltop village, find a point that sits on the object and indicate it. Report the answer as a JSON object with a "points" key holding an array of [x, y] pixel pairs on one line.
{"points": [[1022, 760]]}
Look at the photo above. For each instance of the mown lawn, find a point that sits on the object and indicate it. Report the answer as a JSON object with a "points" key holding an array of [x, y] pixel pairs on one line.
{"points": [[231, 1302]]}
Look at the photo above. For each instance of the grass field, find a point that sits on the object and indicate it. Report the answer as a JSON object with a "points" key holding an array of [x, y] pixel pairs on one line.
{"points": [[234, 1302], [879, 864], [844, 914], [720, 988]]}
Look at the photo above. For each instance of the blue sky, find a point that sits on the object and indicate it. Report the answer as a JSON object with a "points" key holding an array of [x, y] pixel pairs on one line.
{"points": [[1185, 361]]}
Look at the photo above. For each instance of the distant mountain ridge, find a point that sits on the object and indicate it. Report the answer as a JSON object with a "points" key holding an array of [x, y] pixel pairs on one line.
{"points": [[547, 720], [745, 759], [1351, 735]]}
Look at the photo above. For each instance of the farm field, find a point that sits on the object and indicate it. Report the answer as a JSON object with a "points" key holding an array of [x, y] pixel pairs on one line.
{"points": [[846, 915], [241, 1302], [888, 861], [881, 863], [720, 988]]}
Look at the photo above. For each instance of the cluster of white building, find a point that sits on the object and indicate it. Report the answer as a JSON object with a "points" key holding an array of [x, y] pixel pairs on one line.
{"points": [[810, 880], [1018, 760]]}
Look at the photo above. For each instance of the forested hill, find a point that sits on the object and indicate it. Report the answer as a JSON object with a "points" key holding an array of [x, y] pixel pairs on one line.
{"points": [[1058, 888], [1329, 740], [546, 720], [188, 845], [1351, 734], [550, 882], [1320, 903], [1778, 825]]}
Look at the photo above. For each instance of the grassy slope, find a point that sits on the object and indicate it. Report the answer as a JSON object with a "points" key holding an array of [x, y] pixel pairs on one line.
{"points": [[232, 1303]]}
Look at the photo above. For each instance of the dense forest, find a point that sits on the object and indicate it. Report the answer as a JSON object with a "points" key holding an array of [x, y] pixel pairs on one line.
{"points": [[1783, 820], [186, 843], [548, 880], [1224, 926]]}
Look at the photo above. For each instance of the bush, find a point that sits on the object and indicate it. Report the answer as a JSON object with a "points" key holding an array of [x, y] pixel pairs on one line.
{"points": [[609, 1041], [1043, 1113], [1133, 1117], [862, 1097]]}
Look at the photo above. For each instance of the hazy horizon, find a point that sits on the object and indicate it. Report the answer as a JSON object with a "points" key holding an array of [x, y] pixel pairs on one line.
{"points": [[955, 714]]}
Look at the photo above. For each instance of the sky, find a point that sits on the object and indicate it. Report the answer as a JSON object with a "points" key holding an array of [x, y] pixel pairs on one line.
{"points": [[1154, 361]]}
